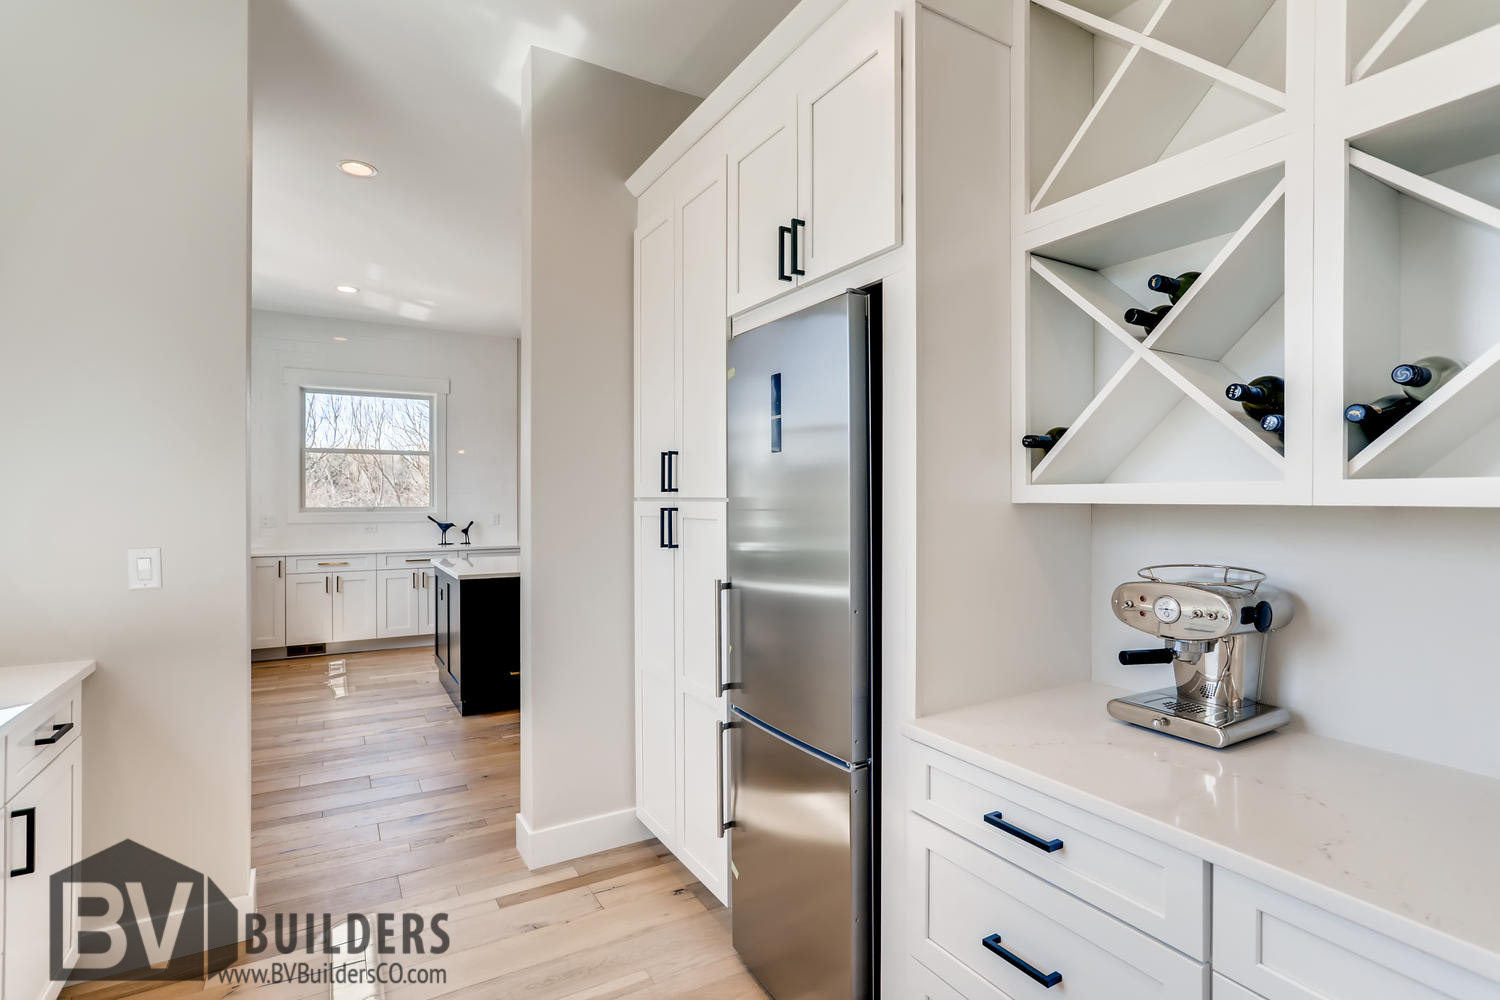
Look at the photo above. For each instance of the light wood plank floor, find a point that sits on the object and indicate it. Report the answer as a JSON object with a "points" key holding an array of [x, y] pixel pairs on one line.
{"points": [[371, 794]]}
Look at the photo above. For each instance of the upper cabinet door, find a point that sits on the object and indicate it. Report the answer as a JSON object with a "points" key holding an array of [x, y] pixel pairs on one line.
{"points": [[762, 136], [849, 121], [701, 250], [656, 375]]}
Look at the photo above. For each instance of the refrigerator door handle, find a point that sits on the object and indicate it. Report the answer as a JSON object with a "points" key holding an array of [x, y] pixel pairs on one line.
{"points": [[720, 589], [724, 826]]}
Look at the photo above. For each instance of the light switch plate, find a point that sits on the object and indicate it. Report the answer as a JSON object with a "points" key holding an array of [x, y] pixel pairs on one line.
{"points": [[143, 569]]}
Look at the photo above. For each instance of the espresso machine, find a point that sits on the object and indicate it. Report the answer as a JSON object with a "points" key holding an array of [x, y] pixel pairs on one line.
{"points": [[1215, 622]]}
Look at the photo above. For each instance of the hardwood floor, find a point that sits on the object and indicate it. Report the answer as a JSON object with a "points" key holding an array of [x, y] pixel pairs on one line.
{"points": [[372, 794]]}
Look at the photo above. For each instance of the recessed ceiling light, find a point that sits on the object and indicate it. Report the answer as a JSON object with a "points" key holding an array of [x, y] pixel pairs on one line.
{"points": [[462, 452], [346, 289], [358, 168], [340, 338]]}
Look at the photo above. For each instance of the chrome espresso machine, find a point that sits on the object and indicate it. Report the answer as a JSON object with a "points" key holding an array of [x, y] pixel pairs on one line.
{"points": [[1215, 621]]}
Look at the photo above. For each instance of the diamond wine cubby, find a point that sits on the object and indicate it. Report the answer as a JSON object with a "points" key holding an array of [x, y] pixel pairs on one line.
{"points": [[1422, 265], [1115, 86], [1146, 404], [1386, 33]]}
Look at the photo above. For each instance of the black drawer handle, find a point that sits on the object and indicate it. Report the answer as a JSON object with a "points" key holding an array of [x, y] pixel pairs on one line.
{"points": [[1047, 979], [781, 234], [59, 730], [30, 813], [998, 822]]}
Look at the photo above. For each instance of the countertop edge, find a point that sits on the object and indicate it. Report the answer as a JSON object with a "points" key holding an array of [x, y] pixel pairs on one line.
{"points": [[1466, 954], [68, 673], [356, 550]]}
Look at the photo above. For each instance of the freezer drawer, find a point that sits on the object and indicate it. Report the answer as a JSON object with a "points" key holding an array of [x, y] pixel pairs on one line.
{"points": [[801, 850]]}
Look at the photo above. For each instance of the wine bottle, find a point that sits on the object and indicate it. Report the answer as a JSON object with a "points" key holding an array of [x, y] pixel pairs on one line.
{"points": [[1274, 423], [1261, 398], [1044, 442], [1380, 416], [1423, 378], [1148, 318], [1175, 288]]}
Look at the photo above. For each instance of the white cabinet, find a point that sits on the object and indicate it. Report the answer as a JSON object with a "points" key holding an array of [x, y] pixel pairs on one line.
{"points": [[354, 606], [43, 835], [399, 608], [762, 137], [427, 602], [656, 381], [267, 603], [309, 608], [815, 159], [680, 558], [681, 332], [849, 141]]}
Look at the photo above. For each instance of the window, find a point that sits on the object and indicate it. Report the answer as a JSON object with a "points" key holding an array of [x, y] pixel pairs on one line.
{"points": [[366, 450]]}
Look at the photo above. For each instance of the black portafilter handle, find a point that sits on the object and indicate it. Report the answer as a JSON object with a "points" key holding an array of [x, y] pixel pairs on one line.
{"points": [[1146, 657]]}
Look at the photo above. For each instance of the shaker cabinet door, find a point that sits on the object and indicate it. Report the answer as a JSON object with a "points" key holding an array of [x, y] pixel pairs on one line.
{"points": [[309, 609], [655, 671], [354, 606], [704, 331], [762, 198], [849, 144], [398, 612], [656, 374], [267, 603], [42, 827]]}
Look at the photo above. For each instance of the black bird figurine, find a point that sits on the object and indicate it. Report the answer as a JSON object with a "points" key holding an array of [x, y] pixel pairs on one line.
{"points": [[465, 531], [445, 525]]}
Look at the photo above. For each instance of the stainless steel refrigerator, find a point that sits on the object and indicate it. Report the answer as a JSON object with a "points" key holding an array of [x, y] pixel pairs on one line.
{"points": [[802, 665]]}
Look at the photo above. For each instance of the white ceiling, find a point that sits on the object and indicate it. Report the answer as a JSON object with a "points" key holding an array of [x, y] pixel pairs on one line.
{"points": [[428, 91]]}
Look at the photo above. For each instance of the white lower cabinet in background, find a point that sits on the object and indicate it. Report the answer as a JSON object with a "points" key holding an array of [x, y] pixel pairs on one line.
{"points": [[399, 606], [43, 835], [354, 606], [309, 609], [680, 560], [267, 603]]}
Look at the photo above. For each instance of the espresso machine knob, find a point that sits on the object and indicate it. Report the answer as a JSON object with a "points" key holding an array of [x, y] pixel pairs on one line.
{"points": [[1258, 615]]}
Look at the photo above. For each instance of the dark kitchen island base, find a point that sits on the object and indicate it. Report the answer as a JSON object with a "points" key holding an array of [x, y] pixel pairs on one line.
{"points": [[478, 642]]}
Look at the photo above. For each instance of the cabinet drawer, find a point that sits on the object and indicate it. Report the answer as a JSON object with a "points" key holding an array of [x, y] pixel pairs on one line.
{"points": [[58, 721], [972, 905], [1285, 949], [925, 984], [409, 560], [1228, 989], [1150, 886], [329, 564]]}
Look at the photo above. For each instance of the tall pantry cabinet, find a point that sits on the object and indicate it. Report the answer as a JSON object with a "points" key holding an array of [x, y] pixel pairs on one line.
{"points": [[799, 179]]}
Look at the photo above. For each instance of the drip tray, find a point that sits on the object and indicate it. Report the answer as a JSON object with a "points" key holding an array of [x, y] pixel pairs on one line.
{"points": [[1166, 711]]}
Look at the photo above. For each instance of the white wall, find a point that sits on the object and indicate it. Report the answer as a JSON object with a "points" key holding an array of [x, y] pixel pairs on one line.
{"points": [[1391, 646], [481, 423], [587, 129], [124, 199]]}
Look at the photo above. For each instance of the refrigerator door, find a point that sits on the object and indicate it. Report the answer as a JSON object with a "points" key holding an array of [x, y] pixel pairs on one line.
{"points": [[799, 525], [802, 918]]}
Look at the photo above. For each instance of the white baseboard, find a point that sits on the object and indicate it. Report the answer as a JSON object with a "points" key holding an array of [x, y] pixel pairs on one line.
{"points": [[550, 845]]}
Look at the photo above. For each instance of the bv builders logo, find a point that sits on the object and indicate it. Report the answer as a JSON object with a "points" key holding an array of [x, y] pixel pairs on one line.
{"points": [[131, 914]]}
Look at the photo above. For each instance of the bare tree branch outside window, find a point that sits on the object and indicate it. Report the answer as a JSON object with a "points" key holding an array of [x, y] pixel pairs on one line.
{"points": [[362, 451]]}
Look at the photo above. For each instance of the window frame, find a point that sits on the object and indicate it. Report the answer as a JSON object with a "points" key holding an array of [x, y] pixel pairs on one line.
{"points": [[298, 382]]}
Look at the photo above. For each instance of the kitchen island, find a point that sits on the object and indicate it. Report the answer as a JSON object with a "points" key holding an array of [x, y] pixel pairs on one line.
{"points": [[477, 645]]}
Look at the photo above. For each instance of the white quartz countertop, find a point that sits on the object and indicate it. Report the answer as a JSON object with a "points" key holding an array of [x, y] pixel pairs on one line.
{"points": [[22, 687], [1404, 847], [478, 567], [361, 550]]}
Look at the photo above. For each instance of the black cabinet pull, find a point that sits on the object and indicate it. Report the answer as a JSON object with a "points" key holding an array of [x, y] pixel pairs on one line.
{"points": [[59, 730], [1047, 979], [781, 234], [30, 813], [998, 822], [669, 485], [667, 527], [661, 474], [797, 225]]}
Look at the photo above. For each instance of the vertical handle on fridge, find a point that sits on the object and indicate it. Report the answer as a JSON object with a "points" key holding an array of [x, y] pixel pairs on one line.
{"points": [[720, 589], [724, 825]]}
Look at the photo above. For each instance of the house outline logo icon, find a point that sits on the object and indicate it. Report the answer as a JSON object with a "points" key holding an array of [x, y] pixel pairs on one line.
{"points": [[128, 913]]}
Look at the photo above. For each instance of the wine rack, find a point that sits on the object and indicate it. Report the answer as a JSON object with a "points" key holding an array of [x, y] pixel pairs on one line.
{"points": [[1208, 73], [1386, 33], [1332, 167]]}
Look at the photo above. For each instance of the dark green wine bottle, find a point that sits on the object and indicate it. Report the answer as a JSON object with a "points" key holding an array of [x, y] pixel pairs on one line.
{"points": [[1380, 416], [1274, 423], [1176, 287], [1044, 442], [1261, 398], [1149, 319]]}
